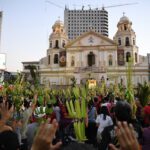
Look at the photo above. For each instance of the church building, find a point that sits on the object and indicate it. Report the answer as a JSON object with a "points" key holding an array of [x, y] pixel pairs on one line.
{"points": [[92, 55]]}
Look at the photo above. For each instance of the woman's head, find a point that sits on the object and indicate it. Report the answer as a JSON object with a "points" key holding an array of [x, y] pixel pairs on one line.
{"points": [[104, 110]]}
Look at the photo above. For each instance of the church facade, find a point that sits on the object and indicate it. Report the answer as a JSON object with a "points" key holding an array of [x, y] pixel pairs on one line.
{"points": [[93, 55]]}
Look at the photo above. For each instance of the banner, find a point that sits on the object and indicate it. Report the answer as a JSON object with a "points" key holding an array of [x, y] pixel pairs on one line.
{"points": [[62, 59], [120, 56]]}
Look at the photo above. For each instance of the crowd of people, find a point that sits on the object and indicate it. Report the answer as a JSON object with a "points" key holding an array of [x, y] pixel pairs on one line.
{"points": [[110, 124]]}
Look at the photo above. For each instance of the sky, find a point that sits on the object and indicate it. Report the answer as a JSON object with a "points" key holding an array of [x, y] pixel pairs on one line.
{"points": [[27, 24]]}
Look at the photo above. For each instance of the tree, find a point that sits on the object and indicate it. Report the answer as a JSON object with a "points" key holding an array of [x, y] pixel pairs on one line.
{"points": [[33, 73]]}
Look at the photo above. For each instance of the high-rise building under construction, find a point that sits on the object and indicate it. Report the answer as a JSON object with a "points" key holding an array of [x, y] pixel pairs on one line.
{"points": [[79, 21]]}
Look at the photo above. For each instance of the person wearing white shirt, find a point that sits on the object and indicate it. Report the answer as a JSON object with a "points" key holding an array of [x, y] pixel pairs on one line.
{"points": [[103, 120]]}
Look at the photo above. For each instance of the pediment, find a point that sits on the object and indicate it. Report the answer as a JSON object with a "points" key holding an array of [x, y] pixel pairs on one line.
{"points": [[91, 38]]}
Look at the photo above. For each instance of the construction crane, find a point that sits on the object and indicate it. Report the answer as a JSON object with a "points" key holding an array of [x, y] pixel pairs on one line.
{"points": [[118, 5], [103, 7], [52, 3]]}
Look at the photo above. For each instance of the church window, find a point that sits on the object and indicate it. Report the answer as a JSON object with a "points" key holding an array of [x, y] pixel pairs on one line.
{"points": [[50, 44], [127, 43], [63, 44], [133, 41], [125, 27], [56, 44], [72, 61], [119, 41], [49, 59], [136, 57], [56, 59], [128, 56], [110, 60]]}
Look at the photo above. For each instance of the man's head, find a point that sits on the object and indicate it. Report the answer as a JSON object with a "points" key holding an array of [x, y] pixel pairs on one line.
{"points": [[123, 111]]}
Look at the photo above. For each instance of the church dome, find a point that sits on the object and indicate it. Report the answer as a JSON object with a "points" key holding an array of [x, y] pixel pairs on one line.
{"points": [[124, 19], [58, 23], [58, 30]]}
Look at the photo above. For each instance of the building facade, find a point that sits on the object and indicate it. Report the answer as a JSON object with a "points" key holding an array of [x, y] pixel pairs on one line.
{"points": [[77, 22], [93, 55]]}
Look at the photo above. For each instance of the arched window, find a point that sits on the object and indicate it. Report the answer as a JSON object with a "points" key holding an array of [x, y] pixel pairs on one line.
{"points": [[110, 60], [119, 41], [133, 41], [49, 59], [56, 44], [127, 41], [128, 56], [56, 59], [50, 44], [63, 43], [136, 57], [72, 61]]}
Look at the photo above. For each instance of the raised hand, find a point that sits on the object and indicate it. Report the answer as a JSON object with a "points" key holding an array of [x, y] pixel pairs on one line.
{"points": [[5, 111], [126, 137], [45, 136]]}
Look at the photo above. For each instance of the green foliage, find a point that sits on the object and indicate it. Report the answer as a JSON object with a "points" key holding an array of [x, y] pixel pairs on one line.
{"points": [[74, 82], [143, 93]]}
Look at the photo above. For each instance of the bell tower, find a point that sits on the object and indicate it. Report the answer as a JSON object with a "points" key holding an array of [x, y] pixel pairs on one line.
{"points": [[125, 38], [57, 42]]}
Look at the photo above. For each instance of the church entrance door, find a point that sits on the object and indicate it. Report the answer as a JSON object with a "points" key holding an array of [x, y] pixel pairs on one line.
{"points": [[91, 59]]}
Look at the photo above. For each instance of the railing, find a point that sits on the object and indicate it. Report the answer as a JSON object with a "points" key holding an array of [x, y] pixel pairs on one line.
{"points": [[100, 69]]}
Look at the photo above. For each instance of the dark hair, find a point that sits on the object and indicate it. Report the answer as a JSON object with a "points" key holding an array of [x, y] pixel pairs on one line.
{"points": [[123, 111], [1, 99], [26, 103], [104, 111], [95, 99], [90, 104]]}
